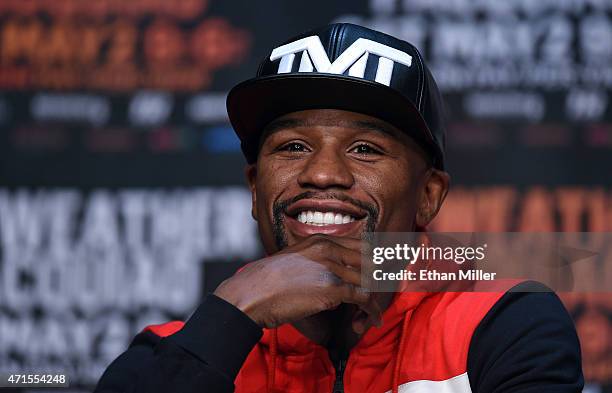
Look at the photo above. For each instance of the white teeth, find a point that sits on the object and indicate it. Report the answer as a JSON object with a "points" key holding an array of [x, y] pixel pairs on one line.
{"points": [[319, 218]]}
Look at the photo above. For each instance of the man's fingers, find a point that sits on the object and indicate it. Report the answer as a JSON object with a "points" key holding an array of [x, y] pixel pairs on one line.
{"points": [[343, 255], [349, 257], [348, 275], [323, 248]]}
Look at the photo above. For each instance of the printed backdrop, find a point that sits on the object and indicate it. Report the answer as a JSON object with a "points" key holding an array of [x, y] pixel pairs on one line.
{"points": [[122, 197]]}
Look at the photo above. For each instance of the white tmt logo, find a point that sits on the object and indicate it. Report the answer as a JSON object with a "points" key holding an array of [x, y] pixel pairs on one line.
{"points": [[353, 59]]}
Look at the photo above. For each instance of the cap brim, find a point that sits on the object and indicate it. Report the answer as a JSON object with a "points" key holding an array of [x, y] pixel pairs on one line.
{"points": [[253, 104]]}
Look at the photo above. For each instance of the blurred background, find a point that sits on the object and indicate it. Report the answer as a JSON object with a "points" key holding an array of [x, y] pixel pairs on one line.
{"points": [[122, 199]]}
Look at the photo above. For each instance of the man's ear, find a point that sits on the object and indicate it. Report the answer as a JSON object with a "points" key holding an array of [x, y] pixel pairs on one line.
{"points": [[434, 191], [251, 175]]}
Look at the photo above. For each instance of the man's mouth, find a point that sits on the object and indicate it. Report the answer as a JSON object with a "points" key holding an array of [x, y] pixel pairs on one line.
{"points": [[313, 213], [321, 218], [332, 217]]}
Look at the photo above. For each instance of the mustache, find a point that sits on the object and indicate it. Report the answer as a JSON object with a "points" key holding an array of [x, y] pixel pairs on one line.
{"points": [[280, 207]]}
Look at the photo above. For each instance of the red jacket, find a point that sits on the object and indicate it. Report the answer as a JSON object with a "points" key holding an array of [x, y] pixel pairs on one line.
{"points": [[423, 343], [518, 341]]}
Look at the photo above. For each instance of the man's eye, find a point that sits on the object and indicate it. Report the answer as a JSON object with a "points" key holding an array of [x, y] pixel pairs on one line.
{"points": [[365, 149], [294, 147]]}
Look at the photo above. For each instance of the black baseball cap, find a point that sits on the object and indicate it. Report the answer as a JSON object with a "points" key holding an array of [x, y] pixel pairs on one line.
{"points": [[342, 66]]}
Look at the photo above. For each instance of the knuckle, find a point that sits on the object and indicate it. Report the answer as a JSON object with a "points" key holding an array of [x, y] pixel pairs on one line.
{"points": [[330, 279], [328, 303]]}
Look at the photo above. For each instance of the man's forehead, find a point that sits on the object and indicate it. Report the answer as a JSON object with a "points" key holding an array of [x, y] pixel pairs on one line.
{"points": [[331, 118]]}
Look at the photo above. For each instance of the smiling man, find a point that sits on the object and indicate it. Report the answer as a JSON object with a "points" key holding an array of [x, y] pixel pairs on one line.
{"points": [[342, 131]]}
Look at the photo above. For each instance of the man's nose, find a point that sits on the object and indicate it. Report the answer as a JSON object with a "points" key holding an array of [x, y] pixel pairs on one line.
{"points": [[326, 168]]}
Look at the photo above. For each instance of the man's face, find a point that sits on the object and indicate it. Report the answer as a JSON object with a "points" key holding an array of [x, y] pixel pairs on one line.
{"points": [[339, 173]]}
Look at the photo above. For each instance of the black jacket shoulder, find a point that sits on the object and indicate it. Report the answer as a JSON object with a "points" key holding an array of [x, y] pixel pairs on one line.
{"points": [[526, 343]]}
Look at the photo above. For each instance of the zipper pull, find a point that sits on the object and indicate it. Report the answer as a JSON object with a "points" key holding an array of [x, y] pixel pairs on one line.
{"points": [[339, 382]]}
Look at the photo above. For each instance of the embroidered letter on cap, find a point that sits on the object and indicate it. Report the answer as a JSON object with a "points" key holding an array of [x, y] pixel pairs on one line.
{"points": [[353, 59]]}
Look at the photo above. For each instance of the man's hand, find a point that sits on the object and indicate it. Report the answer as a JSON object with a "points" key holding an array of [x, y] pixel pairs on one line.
{"points": [[315, 275]]}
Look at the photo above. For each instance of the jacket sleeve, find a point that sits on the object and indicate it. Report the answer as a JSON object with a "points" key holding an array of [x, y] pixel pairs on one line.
{"points": [[526, 343], [204, 356]]}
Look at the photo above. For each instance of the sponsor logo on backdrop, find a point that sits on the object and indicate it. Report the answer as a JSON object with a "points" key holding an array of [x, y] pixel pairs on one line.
{"points": [[207, 107], [76, 108], [148, 108]]}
